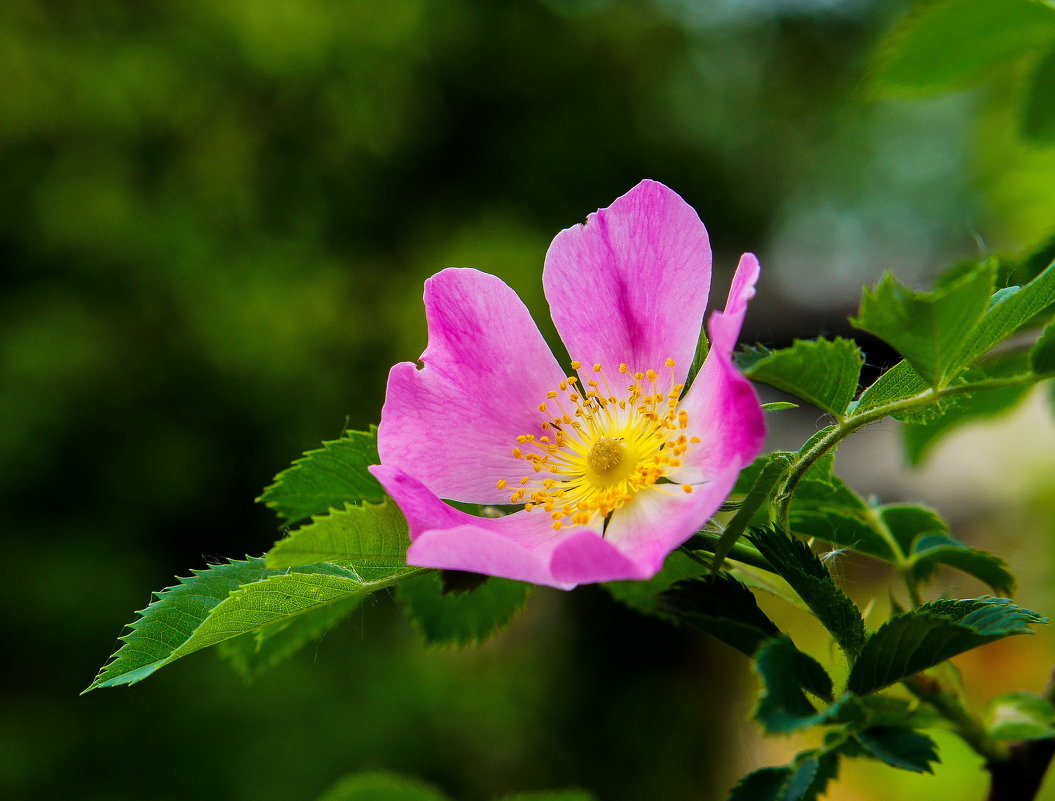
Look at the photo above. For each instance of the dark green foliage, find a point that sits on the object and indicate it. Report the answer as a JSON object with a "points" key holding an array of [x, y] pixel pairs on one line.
{"points": [[753, 506], [928, 328], [802, 781], [932, 550], [932, 633], [1038, 102], [906, 522], [327, 478], [803, 570], [723, 607], [783, 707], [461, 618], [1042, 356], [643, 595], [951, 43], [822, 372], [842, 529], [900, 748]]}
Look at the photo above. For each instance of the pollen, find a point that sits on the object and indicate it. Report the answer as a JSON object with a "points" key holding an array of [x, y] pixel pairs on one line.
{"points": [[600, 443]]}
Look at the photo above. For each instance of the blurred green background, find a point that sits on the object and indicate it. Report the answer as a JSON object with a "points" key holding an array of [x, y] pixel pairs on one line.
{"points": [[217, 217]]}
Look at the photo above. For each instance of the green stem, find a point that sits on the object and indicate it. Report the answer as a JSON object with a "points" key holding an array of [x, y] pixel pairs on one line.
{"points": [[949, 706], [740, 552], [849, 425]]}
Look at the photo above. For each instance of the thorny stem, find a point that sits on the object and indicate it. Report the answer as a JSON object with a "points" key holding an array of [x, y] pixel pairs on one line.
{"points": [[1018, 770], [854, 422]]}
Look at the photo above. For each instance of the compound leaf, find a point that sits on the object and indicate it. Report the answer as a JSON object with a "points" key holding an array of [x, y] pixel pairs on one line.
{"points": [[932, 633]]}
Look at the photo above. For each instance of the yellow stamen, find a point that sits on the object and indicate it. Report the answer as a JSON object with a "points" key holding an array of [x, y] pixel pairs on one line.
{"points": [[604, 448]]}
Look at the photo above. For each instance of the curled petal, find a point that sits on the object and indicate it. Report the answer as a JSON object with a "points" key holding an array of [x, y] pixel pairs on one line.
{"points": [[661, 518], [630, 285], [723, 409], [454, 422], [519, 546]]}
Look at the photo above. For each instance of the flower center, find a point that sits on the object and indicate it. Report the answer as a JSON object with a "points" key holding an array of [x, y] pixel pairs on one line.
{"points": [[596, 448]]}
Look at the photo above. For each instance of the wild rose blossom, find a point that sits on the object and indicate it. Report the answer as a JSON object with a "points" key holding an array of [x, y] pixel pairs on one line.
{"points": [[615, 463]]}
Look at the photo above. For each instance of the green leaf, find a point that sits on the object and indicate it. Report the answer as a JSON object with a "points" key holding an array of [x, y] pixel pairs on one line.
{"points": [[257, 651], [936, 549], [843, 530], [1020, 716], [381, 786], [900, 748], [802, 781], [777, 406], [461, 618], [900, 381], [369, 539], [642, 595], [906, 522], [822, 372], [830, 494], [170, 619], [726, 609], [932, 633], [1015, 308], [928, 328], [224, 602], [1038, 102], [723, 607], [327, 478], [803, 570], [783, 708], [1042, 356], [950, 44]]}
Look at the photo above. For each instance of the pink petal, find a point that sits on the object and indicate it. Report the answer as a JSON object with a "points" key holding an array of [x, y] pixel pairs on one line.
{"points": [[723, 409], [454, 422], [630, 285], [519, 546], [661, 518]]}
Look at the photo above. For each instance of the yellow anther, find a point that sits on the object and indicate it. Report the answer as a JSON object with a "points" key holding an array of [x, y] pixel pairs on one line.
{"points": [[502, 483], [605, 447], [687, 488]]}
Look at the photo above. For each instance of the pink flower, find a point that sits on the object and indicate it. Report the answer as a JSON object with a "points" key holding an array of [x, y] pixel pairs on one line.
{"points": [[615, 464]]}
